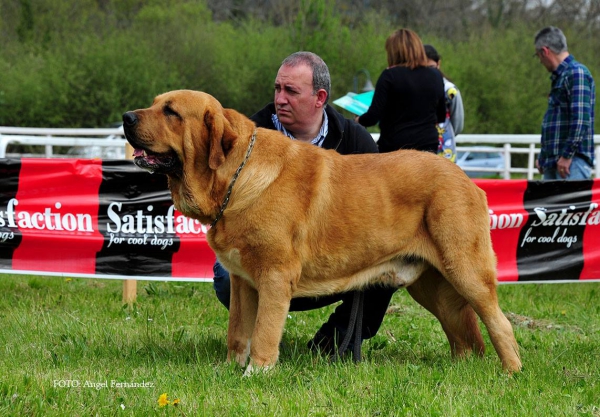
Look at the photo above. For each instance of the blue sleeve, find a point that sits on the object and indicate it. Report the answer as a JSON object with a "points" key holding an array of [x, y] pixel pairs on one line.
{"points": [[580, 92]]}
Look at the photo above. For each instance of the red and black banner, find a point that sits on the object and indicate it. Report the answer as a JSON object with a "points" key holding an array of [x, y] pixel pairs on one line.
{"points": [[106, 219], [545, 230], [110, 219]]}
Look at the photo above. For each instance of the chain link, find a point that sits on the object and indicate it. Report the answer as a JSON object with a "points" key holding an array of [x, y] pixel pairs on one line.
{"points": [[234, 179]]}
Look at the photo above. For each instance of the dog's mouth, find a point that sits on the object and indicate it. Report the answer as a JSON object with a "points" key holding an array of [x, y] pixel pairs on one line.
{"points": [[166, 163]]}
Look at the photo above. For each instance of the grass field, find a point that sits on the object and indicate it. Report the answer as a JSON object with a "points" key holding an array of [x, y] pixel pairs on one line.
{"points": [[70, 348]]}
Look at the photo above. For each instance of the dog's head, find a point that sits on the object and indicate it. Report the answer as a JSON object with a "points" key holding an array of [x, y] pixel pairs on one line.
{"points": [[188, 136], [181, 127]]}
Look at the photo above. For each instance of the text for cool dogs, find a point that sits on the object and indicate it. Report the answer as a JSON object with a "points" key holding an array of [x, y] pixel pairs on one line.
{"points": [[139, 228]]}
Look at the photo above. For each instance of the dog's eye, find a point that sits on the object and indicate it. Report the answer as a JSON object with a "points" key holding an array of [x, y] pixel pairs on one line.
{"points": [[168, 111]]}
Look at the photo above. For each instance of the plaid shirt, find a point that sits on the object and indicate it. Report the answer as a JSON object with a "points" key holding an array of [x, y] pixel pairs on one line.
{"points": [[568, 125], [316, 141]]}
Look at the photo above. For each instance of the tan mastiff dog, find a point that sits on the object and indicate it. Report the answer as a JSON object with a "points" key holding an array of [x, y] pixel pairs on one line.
{"points": [[290, 219]]}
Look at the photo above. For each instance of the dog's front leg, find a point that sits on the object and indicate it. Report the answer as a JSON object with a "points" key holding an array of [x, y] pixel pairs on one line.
{"points": [[273, 306], [243, 305]]}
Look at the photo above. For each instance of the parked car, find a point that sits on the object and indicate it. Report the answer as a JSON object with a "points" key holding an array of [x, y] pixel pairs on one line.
{"points": [[484, 158]]}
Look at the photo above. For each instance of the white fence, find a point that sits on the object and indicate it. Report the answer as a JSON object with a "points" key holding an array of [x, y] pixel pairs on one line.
{"points": [[81, 143], [110, 143]]}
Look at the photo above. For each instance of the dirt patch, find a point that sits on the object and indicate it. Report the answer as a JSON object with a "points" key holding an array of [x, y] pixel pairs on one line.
{"points": [[538, 324]]}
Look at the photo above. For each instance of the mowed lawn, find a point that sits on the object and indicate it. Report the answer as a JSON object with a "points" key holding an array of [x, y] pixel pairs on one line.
{"points": [[69, 347]]}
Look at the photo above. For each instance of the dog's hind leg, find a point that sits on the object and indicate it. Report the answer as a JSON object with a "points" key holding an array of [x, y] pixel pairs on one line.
{"points": [[454, 313], [466, 259], [242, 318], [480, 291]]}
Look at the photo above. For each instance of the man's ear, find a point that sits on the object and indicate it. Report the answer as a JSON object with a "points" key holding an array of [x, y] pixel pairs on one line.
{"points": [[321, 98], [220, 138]]}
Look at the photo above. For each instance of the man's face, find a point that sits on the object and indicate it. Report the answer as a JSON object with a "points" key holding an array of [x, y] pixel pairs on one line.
{"points": [[295, 103], [431, 63], [545, 59]]}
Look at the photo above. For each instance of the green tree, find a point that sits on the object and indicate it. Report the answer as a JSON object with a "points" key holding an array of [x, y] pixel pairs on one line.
{"points": [[83, 63]]}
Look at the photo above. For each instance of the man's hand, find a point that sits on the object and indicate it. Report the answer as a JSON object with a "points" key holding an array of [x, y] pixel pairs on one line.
{"points": [[563, 165]]}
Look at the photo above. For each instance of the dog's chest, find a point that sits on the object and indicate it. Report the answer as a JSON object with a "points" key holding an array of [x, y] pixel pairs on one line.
{"points": [[232, 261]]}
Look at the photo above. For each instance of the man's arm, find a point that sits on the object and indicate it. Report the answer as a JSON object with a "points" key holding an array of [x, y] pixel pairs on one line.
{"points": [[457, 113], [363, 140], [580, 110]]}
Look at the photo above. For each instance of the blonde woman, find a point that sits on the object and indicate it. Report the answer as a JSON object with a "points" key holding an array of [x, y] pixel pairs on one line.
{"points": [[408, 101]]}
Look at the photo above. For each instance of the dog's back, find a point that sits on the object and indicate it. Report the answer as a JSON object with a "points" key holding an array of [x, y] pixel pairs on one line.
{"points": [[348, 213]]}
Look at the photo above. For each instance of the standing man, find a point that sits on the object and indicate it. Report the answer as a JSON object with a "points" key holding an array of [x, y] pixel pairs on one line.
{"points": [[567, 144], [300, 111]]}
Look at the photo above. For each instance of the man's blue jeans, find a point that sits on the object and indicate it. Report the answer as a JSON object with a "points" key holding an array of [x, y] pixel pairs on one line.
{"points": [[579, 170]]}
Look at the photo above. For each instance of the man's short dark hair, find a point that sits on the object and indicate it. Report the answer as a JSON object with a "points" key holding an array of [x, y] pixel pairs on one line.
{"points": [[551, 37], [321, 77], [432, 53]]}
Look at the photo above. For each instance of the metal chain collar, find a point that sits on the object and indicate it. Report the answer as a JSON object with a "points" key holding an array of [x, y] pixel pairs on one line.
{"points": [[234, 179]]}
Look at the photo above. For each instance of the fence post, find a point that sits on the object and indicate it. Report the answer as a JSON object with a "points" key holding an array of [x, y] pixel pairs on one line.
{"points": [[531, 161], [129, 285], [507, 161]]}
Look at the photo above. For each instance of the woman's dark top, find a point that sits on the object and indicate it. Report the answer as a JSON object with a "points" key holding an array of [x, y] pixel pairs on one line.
{"points": [[407, 104]]}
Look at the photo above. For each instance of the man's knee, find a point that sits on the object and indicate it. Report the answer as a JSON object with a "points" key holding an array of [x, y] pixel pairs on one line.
{"points": [[221, 284]]}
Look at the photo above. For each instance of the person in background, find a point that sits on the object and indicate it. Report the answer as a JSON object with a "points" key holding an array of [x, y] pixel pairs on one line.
{"points": [[567, 142], [408, 101], [300, 111], [455, 114]]}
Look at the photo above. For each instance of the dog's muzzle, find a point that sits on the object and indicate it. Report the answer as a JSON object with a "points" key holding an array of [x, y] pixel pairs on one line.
{"points": [[143, 157]]}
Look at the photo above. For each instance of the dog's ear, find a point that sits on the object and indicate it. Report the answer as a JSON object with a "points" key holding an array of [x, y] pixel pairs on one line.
{"points": [[220, 138]]}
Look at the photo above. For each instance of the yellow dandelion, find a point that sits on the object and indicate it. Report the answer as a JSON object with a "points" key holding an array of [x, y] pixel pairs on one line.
{"points": [[162, 400], [175, 402]]}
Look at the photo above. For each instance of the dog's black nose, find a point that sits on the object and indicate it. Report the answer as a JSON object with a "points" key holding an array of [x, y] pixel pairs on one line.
{"points": [[129, 119]]}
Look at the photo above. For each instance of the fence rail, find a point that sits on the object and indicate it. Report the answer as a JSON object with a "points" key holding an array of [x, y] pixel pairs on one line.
{"points": [[110, 143], [83, 143]]}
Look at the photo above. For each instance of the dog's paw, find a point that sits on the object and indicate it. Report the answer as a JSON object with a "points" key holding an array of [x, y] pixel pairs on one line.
{"points": [[255, 370], [239, 356]]}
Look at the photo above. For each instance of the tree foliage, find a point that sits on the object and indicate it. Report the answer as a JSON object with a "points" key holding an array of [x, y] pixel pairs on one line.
{"points": [[67, 63]]}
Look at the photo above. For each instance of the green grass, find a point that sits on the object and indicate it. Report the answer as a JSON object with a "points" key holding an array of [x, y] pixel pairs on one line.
{"points": [[54, 330]]}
